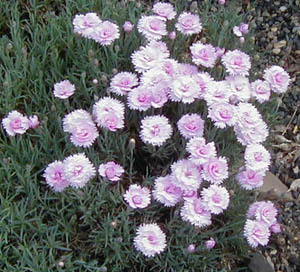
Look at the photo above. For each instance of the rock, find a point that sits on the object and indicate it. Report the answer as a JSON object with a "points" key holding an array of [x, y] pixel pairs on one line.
{"points": [[283, 9], [259, 264], [276, 51], [274, 29], [280, 44]]}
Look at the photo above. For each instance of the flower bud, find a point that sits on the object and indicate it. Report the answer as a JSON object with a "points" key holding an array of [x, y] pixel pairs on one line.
{"points": [[191, 248], [128, 26], [61, 264], [95, 81], [210, 243], [172, 35], [131, 144]]}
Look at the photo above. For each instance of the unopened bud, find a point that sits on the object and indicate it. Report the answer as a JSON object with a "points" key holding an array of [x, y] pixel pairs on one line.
{"points": [[61, 264], [96, 63], [114, 224], [172, 35], [242, 39], [114, 71], [9, 47], [131, 144], [117, 48], [95, 81], [104, 79], [191, 248]]}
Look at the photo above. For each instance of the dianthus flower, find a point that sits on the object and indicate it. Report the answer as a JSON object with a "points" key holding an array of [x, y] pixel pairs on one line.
{"points": [[257, 233], [275, 228], [139, 99], [203, 54], [189, 195], [186, 175], [216, 198], [154, 76], [210, 243], [111, 170], [278, 79], [166, 192], [257, 157], [150, 240], [15, 123], [217, 91], [202, 79], [33, 121], [128, 26], [220, 52], [86, 24], [200, 151], [263, 211], [82, 128], [137, 197], [105, 33], [184, 89], [222, 114], [215, 170], [152, 27], [186, 69], [109, 113], [159, 94], [122, 83], [155, 130], [191, 125], [54, 176], [260, 90], [63, 89], [196, 213], [170, 66], [250, 179], [236, 62], [188, 23], [78, 170], [164, 10], [239, 88]]}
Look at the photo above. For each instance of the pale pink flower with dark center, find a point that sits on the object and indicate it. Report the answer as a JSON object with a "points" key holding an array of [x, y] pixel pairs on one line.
{"points": [[63, 89], [263, 211], [54, 176], [239, 88], [275, 228], [154, 76], [170, 67], [202, 79], [257, 233], [188, 23], [164, 10], [200, 151], [222, 2], [122, 83], [216, 198], [155, 130], [237, 32], [139, 99], [244, 28], [196, 213], [191, 125], [250, 179], [33, 121], [247, 115], [210, 243], [257, 157], [220, 52], [236, 62], [159, 94], [152, 27], [150, 240], [191, 248], [111, 171], [86, 24], [260, 90], [186, 69], [186, 175], [137, 196], [78, 170], [189, 195], [128, 26], [217, 91], [215, 170], [105, 33], [222, 114], [15, 123], [166, 192], [203, 54], [278, 79]]}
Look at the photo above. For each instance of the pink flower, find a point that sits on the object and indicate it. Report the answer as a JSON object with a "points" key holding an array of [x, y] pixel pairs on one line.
{"points": [[186, 175], [215, 170], [196, 213], [217, 91], [128, 26], [111, 171], [257, 233], [150, 240], [220, 52], [78, 170], [264, 211], [153, 27], [86, 24], [122, 83], [186, 69], [216, 198], [275, 228], [139, 99], [191, 248], [164, 10], [63, 89], [54, 176], [239, 88], [137, 197], [170, 66], [109, 113], [237, 32], [278, 79], [166, 192], [222, 114], [155, 130], [260, 90], [210, 243], [200, 151], [188, 23], [222, 2], [159, 94], [236, 62], [172, 35], [154, 76], [241, 29], [33, 121], [189, 195], [250, 179], [191, 125], [203, 54], [202, 79], [15, 123], [105, 33], [257, 157]]}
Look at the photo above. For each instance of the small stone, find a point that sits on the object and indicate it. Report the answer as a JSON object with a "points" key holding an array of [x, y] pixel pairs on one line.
{"points": [[283, 9], [276, 51], [280, 44], [259, 264], [273, 252], [274, 29]]}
